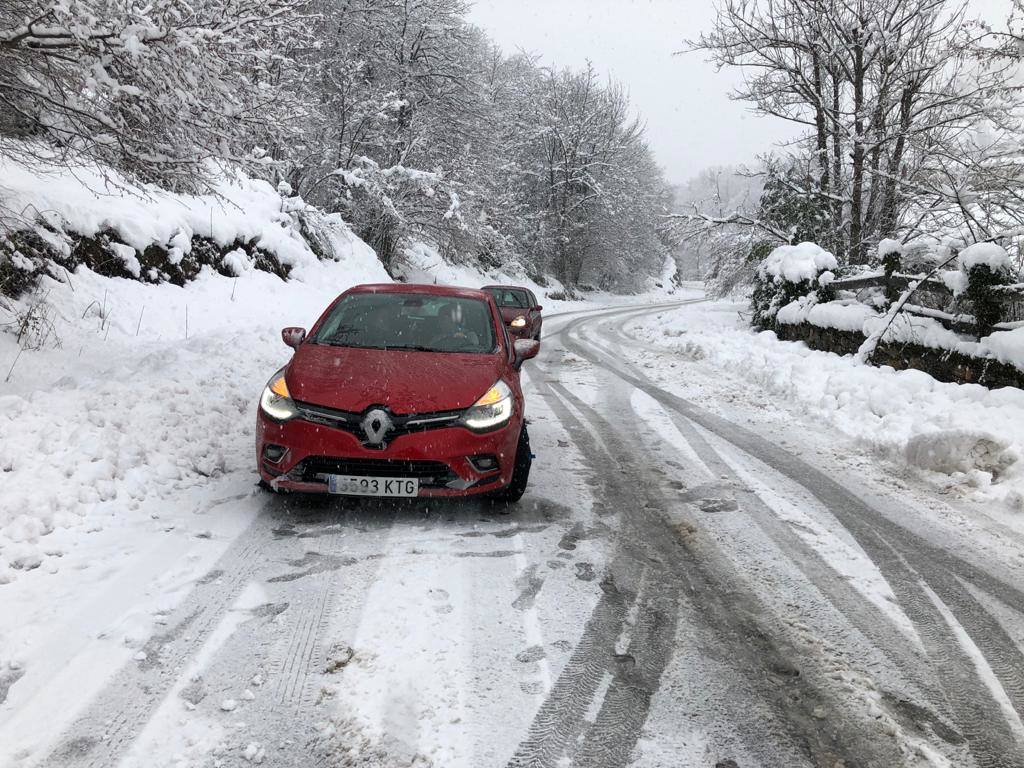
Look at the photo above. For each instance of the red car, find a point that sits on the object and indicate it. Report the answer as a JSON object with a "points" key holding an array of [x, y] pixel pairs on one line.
{"points": [[399, 391], [519, 309]]}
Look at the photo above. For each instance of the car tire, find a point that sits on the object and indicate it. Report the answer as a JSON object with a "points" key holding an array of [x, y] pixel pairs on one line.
{"points": [[516, 487]]}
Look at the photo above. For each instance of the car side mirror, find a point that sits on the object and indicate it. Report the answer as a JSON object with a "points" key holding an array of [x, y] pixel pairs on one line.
{"points": [[538, 307], [293, 336], [525, 349]]}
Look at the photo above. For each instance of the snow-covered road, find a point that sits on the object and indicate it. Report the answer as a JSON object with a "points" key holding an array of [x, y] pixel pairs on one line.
{"points": [[693, 579]]}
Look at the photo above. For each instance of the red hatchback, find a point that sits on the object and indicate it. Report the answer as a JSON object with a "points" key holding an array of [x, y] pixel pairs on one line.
{"points": [[399, 391], [519, 309]]}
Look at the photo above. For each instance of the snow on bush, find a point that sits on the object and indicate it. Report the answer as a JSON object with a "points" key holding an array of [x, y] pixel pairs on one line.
{"points": [[127, 255], [990, 255], [237, 262], [889, 247], [955, 280], [797, 263], [787, 274]]}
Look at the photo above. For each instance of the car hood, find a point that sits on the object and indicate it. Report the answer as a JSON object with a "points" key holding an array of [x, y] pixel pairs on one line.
{"points": [[508, 314], [351, 379]]}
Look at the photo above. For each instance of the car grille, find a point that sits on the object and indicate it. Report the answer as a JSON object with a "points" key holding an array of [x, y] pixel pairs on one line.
{"points": [[351, 422], [431, 474]]}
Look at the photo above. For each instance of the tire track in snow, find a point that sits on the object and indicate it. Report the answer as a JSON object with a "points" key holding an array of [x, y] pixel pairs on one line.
{"points": [[904, 558], [733, 621], [554, 732], [104, 731]]}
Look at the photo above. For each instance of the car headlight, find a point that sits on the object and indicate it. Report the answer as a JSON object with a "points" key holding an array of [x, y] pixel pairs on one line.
{"points": [[276, 401], [519, 322], [491, 411]]}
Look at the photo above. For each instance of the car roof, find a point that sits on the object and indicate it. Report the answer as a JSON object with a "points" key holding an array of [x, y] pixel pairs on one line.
{"points": [[425, 289], [506, 287]]}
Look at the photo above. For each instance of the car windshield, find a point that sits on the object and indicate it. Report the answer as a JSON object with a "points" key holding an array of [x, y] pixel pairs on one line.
{"points": [[409, 321], [510, 297]]}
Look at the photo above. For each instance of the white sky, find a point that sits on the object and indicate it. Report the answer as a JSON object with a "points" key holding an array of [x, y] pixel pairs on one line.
{"points": [[691, 122]]}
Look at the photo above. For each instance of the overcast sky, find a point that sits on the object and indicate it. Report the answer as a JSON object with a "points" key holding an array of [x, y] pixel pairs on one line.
{"points": [[691, 122]]}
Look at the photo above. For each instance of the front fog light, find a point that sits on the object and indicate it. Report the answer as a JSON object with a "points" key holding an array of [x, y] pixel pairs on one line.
{"points": [[486, 463], [274, 453], [491, 411]]}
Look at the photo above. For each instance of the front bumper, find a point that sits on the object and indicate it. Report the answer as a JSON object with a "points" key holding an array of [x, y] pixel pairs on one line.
{"points": [[439, 457]]}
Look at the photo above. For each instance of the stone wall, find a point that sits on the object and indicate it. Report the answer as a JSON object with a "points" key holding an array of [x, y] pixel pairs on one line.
{"points": [[942, 365]]}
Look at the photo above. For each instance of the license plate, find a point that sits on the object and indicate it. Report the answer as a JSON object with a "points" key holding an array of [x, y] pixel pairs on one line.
{"points": [[358, 485]]}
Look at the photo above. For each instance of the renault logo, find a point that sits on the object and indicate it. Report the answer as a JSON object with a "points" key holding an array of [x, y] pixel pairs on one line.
{"points": [[376, 424]]}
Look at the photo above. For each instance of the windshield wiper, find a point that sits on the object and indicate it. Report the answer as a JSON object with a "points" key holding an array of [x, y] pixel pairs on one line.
{"points": [[327, 343], [415, 348]]}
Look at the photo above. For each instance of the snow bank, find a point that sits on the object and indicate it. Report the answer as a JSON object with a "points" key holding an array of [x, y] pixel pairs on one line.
{"points": [[152, 388], [88, 200], [990, 255], [968, 435], [797, 263], [129, 409]]}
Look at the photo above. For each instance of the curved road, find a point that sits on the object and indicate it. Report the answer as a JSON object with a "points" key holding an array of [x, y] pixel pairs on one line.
{"points": [[685, 584]]}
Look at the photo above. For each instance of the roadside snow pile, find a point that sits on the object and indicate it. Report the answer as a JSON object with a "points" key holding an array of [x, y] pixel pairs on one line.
{"points": [[797, 263], [959, 450], [144, 390], [971, 436], [91, 430]]}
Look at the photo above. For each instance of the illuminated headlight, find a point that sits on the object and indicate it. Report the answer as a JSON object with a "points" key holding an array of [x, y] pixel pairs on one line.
{"points": [[519, 322], [275, 401], [491, 411]]}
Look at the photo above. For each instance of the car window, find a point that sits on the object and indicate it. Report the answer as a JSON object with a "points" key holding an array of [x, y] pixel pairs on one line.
{"points": [[409, 321], [510, 297]]}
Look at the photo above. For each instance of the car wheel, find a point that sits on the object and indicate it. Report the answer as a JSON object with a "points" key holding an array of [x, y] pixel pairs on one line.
{"points": [[514, 491]]}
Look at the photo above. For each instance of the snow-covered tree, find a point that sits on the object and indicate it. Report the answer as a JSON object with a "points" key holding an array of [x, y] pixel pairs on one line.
{"points": [[152, 88], [884, 88]]}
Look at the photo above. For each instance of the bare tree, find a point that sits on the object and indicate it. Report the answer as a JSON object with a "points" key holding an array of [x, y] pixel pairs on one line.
{"points": [[882, 87]]}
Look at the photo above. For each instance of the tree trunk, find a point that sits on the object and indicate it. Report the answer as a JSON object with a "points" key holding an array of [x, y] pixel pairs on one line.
{"points": [[856, 254]]}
